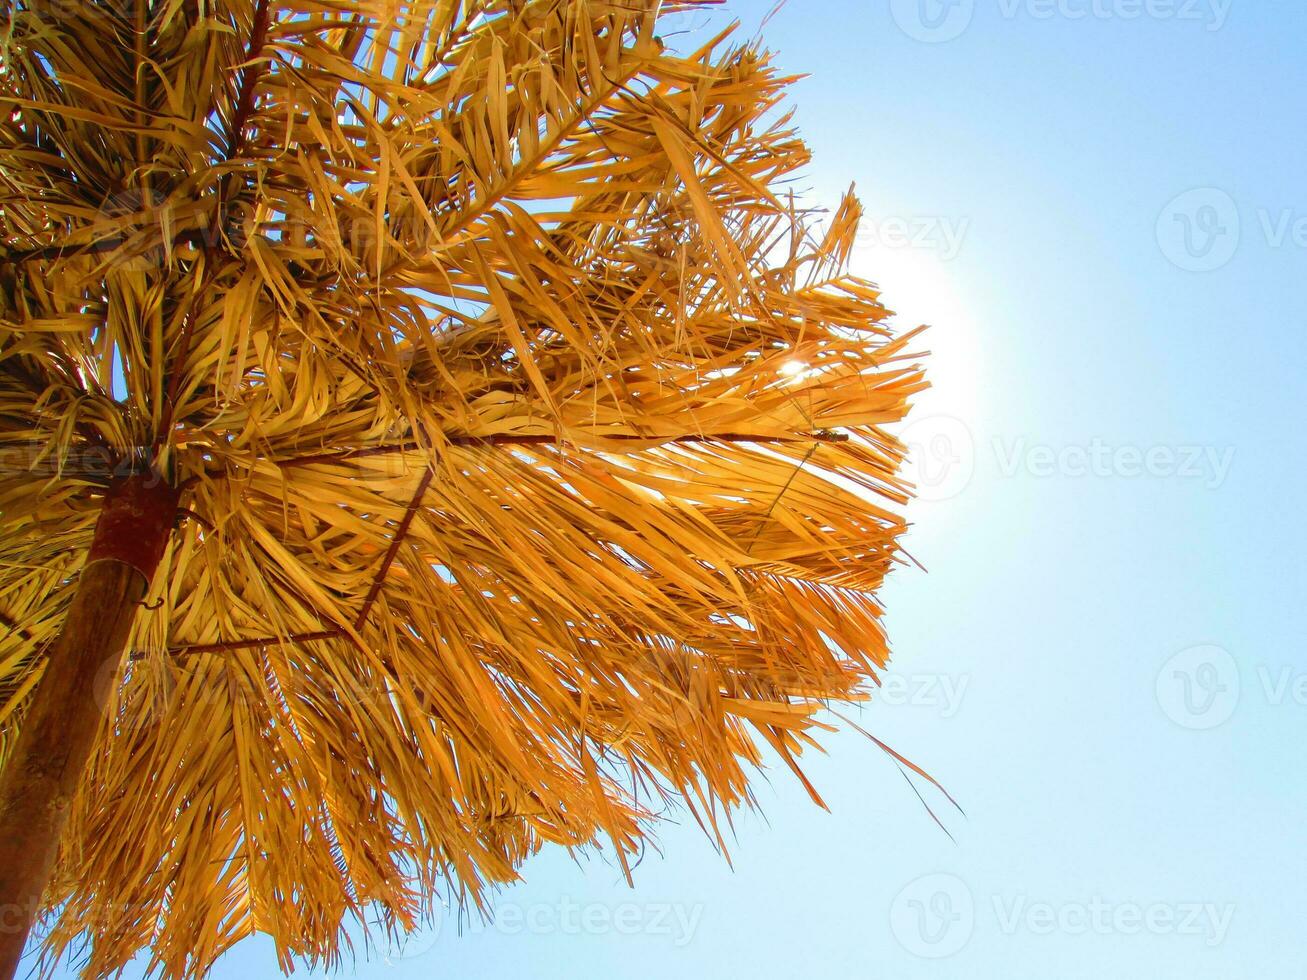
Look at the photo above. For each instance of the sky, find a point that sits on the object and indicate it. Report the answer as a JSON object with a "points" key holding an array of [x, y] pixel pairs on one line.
{"points": [[1098, 206]]}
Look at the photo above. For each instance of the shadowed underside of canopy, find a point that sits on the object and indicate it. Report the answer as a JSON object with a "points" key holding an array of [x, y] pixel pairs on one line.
{"points": [[529, 445]]}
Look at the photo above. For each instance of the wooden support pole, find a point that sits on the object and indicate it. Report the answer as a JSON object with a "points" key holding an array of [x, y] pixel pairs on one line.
{"points": [[42, 776]]}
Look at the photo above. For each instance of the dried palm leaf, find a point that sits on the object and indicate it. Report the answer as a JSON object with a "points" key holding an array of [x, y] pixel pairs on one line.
{"points": [[429, 433]]}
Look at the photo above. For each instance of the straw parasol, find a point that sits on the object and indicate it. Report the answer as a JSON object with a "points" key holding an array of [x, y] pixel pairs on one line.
{"points": [[431, 430]]}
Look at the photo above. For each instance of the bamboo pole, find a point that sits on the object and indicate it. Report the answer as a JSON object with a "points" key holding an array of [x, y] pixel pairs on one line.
{"points": [[42, 776]]}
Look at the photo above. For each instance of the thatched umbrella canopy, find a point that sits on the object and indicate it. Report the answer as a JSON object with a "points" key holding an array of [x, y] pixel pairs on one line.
{"points": [[430, 431]]}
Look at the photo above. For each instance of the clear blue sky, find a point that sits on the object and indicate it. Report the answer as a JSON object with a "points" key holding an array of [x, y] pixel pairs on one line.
{"points": [[1103, 662]]}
